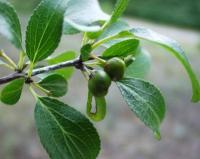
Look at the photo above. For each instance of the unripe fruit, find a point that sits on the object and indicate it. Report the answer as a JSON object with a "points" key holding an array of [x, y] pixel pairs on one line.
{"points": [[115, 68], [99, 83]]}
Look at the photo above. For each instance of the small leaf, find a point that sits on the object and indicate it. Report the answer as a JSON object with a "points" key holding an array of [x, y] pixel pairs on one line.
{"points": [[9, 24], [85, 52], [64, 132], [122, 49], [118, 11], [100, 108], [175, 49], [84, 16], [45, 29], [55, 84], [11, 93], [66, 56], [141, 66], [145, 100]]}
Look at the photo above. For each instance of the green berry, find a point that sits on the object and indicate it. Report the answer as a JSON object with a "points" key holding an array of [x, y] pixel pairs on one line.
{"points": [[115, 68], [99, 83]]}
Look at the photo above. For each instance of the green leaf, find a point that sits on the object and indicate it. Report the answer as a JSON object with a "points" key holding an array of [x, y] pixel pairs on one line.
{"points": [[85, 52], [65, 72], [123, 48], [9, 24], [141, 66], [11, 93], [118, 11], [145, 100], [114, 29], [64, 132], [45, 29], [100, 108], [167, 43], [55, 84], [84, 16], [175, 49]]}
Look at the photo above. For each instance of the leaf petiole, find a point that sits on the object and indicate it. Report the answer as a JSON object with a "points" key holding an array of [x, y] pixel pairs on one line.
{"points": [[35, 95], [21, 60], [8, 60], [102, 61], [85, 39], [8, 66], [31, 69], [86, 73], [41, 88], [100, 42]]}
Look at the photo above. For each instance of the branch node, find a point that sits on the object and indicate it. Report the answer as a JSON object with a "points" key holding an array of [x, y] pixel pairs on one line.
{"points": [[28, 80]]}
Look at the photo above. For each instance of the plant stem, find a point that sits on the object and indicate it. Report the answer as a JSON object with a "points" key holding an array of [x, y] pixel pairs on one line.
{"points": [[99, 59], [92, 64], [31, 69], [8, 59], [33, 92], [100, 42], [86, 73], [38, 71], [21, 60], [41, 88], [122, 34], [85, 38], [8, 66]]}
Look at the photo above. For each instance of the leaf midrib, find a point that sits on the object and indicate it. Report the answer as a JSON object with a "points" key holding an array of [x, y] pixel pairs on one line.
{"points": [[63, 131], [146, 103], [36, 52]]}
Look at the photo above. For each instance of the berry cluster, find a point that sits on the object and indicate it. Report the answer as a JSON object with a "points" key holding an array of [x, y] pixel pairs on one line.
{"points": [[100, 79]]}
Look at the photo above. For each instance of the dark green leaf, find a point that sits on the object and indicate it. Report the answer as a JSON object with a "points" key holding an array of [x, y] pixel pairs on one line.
{"points": [[141, 66], [45, 29], [118, 11], [175, 49], [11, 93], [55, 84], [9, 24], [145, 100], [83, 15], [64, 132], [123, 48], [65, 72], [85, 52], [100, 108]]}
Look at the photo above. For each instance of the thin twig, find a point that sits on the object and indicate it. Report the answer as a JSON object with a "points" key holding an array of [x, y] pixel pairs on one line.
{"points": [[46, 69]]}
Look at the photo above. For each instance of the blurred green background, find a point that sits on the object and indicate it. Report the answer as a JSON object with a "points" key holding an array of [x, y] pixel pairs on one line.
{"points": [[123, 135], [185, 13]]}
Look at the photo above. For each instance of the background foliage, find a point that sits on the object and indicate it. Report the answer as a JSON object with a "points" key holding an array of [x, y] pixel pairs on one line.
{"points": [[182, 13]]}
